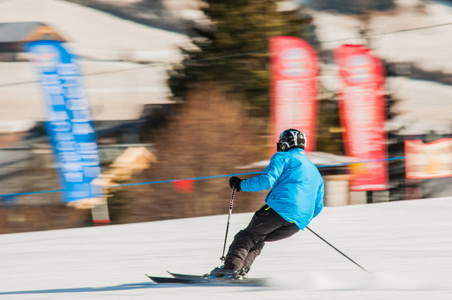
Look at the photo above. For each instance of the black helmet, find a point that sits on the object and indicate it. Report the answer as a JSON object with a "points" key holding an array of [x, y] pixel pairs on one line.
{"points": [[291, 138]]}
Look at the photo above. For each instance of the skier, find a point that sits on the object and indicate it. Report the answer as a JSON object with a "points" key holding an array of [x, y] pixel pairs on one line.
{"points": [[295, 198]]}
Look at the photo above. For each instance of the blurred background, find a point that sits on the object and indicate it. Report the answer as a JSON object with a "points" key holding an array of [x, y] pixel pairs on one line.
{"points": [[181, 89]]}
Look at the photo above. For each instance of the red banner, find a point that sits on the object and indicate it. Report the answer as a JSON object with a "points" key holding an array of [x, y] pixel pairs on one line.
{"points": [[429, 160], [362, 111], [294, 71]]}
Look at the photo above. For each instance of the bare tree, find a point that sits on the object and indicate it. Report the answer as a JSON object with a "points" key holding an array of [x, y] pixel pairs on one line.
{"points": [[210, 136]]}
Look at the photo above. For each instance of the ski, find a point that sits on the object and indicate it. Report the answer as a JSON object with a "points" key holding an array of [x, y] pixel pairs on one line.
{"points": [[202, 280], [171, 280], [186, 276]]}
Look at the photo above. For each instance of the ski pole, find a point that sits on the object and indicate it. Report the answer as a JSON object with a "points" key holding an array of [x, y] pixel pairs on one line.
{"points": [[336, 249], [227, 226]]}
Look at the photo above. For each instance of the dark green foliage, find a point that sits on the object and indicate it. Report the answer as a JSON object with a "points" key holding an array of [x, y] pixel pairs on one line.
{"points": [[233, 50]]}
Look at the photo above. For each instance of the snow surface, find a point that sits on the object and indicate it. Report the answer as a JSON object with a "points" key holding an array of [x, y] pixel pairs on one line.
{"points": [[429, 48], [117, 92], [406, 245], [114, 94], [97, 34], [427, 107]]}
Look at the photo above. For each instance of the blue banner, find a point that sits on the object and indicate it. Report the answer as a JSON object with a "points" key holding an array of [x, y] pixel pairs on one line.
{"points": [[68, 123]]}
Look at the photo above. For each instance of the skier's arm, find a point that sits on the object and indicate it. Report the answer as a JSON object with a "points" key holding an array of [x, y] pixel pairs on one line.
{"points": [[268, 177], [319, 200]]}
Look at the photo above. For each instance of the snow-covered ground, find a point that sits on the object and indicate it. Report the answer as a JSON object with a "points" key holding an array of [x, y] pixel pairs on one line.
{"points": [[117, 92], [396, 35], [407, 246], [96, 34], [117, 89], [408, 34]]}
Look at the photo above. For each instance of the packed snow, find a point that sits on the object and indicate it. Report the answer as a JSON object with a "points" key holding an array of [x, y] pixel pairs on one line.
{"points": [[406, 246]]}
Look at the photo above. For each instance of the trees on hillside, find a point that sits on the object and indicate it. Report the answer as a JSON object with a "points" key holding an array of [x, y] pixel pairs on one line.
{"points": [[196, 143], [231, 48]]}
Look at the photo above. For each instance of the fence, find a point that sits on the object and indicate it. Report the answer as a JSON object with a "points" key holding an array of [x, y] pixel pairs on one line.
{"points": [[19, 165]]}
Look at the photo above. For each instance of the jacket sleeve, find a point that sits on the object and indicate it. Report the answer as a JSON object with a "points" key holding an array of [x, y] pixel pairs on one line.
{"points": [[319, 200], [268, 177]]}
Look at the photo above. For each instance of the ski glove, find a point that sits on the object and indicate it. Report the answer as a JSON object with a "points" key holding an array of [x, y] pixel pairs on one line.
{"points": [[234, 183]]}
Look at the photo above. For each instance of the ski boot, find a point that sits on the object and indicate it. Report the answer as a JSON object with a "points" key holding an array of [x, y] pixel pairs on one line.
{"points": [[222, 273], [242, 273]]}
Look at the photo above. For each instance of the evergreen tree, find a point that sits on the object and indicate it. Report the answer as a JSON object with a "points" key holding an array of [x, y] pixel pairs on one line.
{"points": [[233, 49]]}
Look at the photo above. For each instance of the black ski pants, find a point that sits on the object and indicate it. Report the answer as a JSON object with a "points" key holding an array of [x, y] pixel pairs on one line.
{"points": [[265, 226]]}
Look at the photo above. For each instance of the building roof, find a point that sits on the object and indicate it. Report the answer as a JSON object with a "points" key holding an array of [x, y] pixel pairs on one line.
{"points": [[14, 32]]}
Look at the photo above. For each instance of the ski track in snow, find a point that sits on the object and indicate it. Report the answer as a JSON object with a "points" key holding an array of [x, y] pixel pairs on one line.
{"points": [[406, 246]]}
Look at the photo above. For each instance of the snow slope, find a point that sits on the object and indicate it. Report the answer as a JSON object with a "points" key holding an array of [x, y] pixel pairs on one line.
{"points": [[120, 88], [429, 47], [408, 34], [96, 34], [407, 246]]}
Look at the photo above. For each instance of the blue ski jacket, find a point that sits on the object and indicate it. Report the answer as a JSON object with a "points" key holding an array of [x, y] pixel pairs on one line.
{"points": [[296, 186]]}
